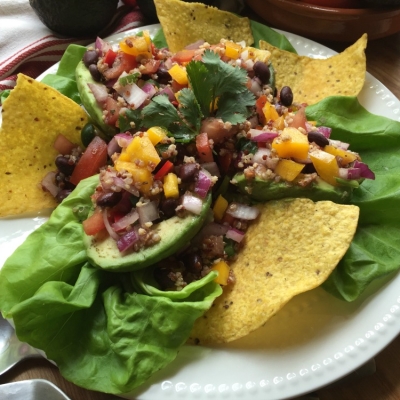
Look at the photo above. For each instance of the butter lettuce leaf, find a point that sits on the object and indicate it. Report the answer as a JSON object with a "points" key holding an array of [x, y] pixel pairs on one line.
{"points": [[375, 250]]}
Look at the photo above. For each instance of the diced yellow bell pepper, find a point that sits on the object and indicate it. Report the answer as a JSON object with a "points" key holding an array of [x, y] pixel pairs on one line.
{"points": [[279, 123], [233, 50], [270, 112], [156, 134], [139, 175], [288, 169], [179, 74], [346, 156], [220, 206], [170, 186], [135, 45], [223, 272], [142, 149], [325, 165], [291, 143]]}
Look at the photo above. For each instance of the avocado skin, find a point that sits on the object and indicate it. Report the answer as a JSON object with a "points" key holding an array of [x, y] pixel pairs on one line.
{"points": [[383, 3], [175, 234], [83, 77], [269, 190], [75, 18]]}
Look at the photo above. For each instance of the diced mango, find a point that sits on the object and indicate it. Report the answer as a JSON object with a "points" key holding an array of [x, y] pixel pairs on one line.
{"points": [[270, 112], [233, 50], [136, 45], [220, 206], [223, 272], [346, 156], [288, 169], [142, 149], [291, 143], [124, 156], [142, 176], [179, 74], [170, 186], [156, 134], [279, 123], [325, 165]]}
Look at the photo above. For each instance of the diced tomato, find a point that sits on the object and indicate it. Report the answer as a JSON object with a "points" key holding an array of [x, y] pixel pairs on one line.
{"points": [[260, 103], [176, 87], [110, 57], [203, 148], [94, 224], [94, 157], [112, 107], [63, 145], [123, 63], [150, 66], [299, 119], [183, 56], [167, 167]]}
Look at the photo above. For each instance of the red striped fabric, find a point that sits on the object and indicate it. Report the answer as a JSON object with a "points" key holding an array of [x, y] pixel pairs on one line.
{"points": [[38, 56]]}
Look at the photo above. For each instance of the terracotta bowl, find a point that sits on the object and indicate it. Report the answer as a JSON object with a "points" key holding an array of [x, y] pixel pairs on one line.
{"points": [[328, 23]]}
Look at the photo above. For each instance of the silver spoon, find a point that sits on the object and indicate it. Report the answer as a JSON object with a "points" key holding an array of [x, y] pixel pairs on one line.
{"points": [[11, 349]]}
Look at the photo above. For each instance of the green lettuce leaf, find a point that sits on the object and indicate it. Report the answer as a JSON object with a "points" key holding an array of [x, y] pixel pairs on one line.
{"points": [[102, 334], [375, 250]]}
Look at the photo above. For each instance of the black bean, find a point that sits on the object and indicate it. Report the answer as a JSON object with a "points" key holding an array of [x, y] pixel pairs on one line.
{"points": [[317, 138], [193, 262], [94, 71], [64, 165], [262, 72], [286, 96], [109, 199], [163, 76], [187, 171], [62, 194], [162, 277], [90, 57], [168, 207], [308, 169]]}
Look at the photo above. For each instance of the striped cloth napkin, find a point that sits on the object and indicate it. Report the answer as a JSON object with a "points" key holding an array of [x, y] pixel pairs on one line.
{"points": [[29, 47]]}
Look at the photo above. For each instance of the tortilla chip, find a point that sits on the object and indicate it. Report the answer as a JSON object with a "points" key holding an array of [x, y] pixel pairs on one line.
{"points": [[313, 79], [185, 23], [33, 115], [292, 248]]}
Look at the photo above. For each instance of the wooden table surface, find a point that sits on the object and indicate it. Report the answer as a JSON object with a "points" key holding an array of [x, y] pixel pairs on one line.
{"points": [[383, 61]]}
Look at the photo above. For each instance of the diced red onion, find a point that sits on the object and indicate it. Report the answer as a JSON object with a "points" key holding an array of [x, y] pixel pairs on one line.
{"points": [[149, 89], [125, 221], [63, 145], [203, 183], [339, 144], [365, 171], [168, 63], [244, 55], [128, 240], [326, 131], [107, 224], [111, 82], [48, 183], [99, 92], [148, 212], [235, 235], [212, 168], [102, 46], [192, 203], [195, 45], [113, 147], [132, 94], [243, 211], [350, 173], [248, 64], [167, 91], [261, 136], [123, 139], [255, 85]]}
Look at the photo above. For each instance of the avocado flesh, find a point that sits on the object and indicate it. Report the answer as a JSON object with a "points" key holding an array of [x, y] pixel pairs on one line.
{"points": [[270, 190], [175, 233], [83, 77]]}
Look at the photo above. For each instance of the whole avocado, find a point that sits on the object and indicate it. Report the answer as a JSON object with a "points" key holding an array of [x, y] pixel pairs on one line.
{"points": [[75, 17]]}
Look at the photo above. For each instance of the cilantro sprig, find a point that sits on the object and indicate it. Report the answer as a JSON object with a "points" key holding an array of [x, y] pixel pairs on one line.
{"points": [[216, 89]]}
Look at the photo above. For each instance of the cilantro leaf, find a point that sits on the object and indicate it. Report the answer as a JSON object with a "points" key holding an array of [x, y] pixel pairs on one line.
{"points": [[128, 79], [235, 108], [160, 112], [190, 108], [129, 118]]}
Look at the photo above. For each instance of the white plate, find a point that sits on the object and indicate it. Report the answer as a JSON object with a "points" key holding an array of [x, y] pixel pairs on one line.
{"points": [[313, 341]]}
